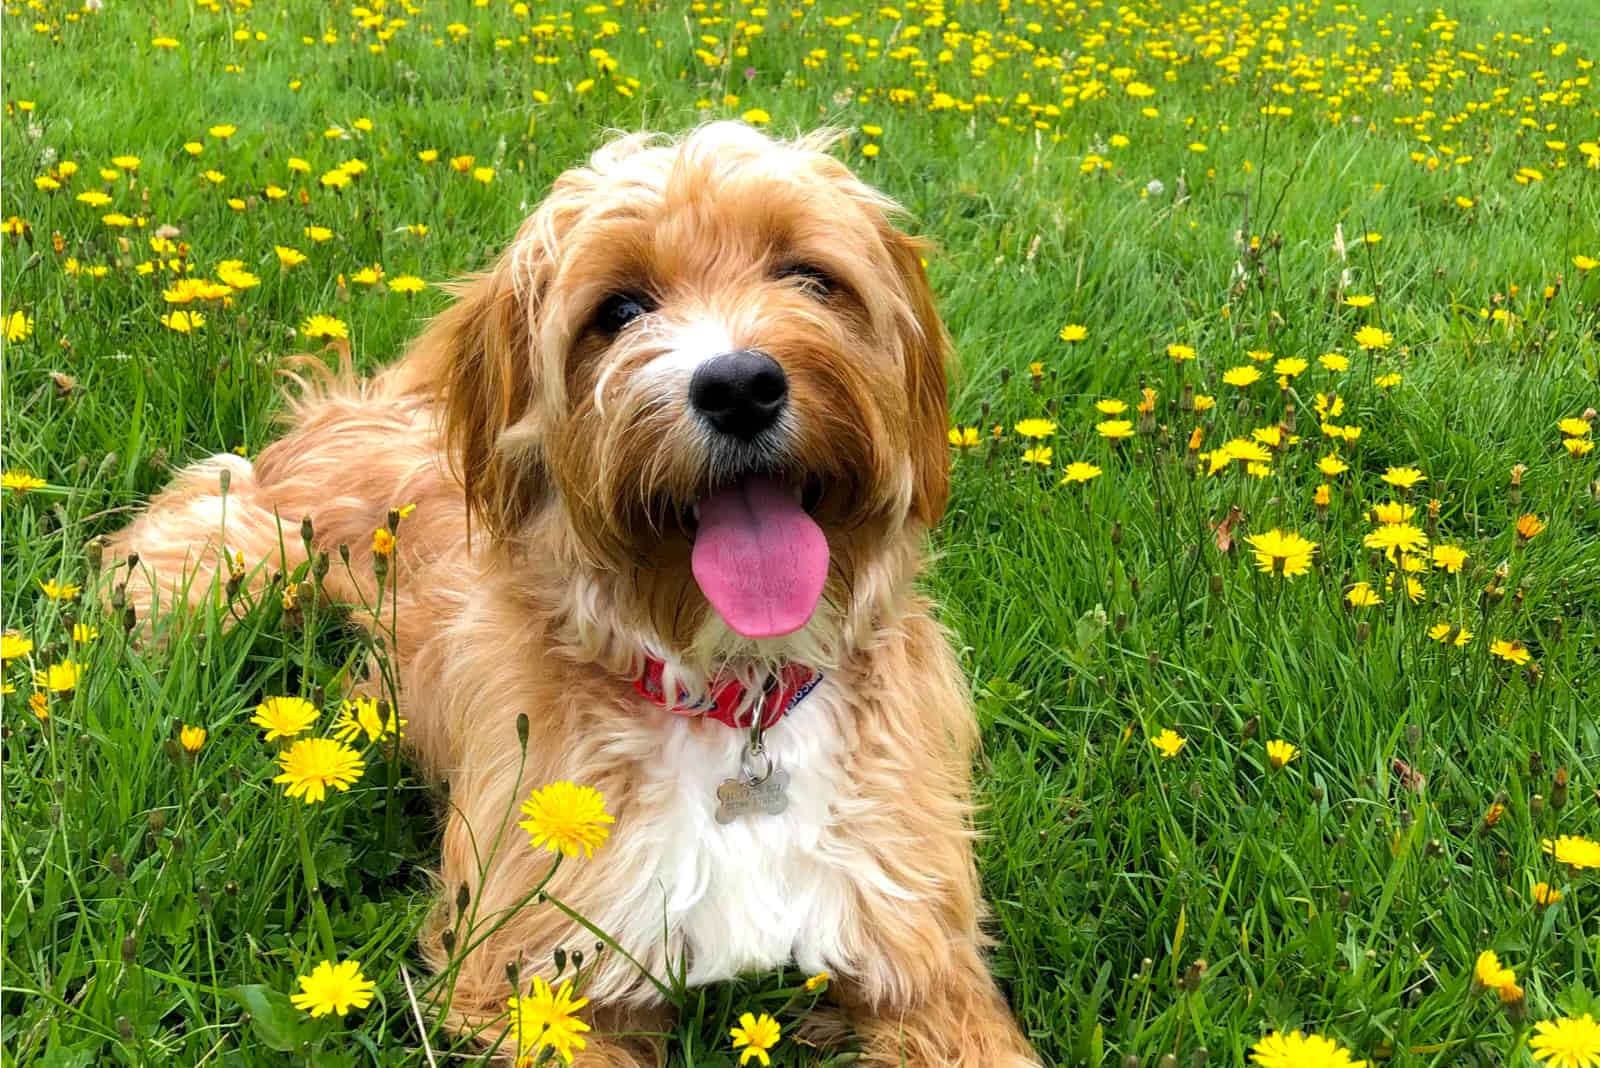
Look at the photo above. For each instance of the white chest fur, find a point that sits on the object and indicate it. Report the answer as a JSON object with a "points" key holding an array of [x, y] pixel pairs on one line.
{"points": [[752, 894]]}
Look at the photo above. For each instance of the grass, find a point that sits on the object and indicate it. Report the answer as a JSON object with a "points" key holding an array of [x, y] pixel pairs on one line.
{"points": [[155, 902]]}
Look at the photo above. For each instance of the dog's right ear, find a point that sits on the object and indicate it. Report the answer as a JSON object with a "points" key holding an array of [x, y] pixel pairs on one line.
{"points": [[478, 357]]}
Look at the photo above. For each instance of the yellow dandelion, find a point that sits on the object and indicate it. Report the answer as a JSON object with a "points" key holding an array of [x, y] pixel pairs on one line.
{"points": [[566, 818]]}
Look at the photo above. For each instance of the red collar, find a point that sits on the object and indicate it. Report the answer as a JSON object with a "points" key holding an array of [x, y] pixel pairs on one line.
{"points": [[784, 691]]}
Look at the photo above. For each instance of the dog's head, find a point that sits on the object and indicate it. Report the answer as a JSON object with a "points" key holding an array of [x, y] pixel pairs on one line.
{"points": [[716, 366]]}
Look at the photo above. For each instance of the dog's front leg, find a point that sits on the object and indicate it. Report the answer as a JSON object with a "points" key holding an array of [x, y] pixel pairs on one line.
{"points": [[957, 1020]]}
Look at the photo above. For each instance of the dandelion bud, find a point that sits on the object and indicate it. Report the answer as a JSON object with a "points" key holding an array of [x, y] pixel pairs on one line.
{"points": [[230, 888], [125, 1028], [177, 845], [158, 820], [1197, 792], [319, 567], [1318, 794], [1413, 734], [344, 553], [1536, 805], [94, 553], [1199, 1057], [172, 751], [225, 803], [514, 974], [202, 897], [1005, 376], [1406, 819], [1144, 968], [1130, 1061], [983, 412], [463, 898], [1133, 586], [577, 960], [1363, 632], [117, 866], [392, 521], [1216, 585], [522, 731], [1535, 764], [1251, 725], [1433, 849], [1344, 900], [1186, 398], [1116, 533], [1558, 790], [560, 957], [119, 595], [130, 949], [1168, 1060], [307, 531], [448, 941], [1120, 622]]}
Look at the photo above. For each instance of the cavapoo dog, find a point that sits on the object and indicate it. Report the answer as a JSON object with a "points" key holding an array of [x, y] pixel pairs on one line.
{"points": [[674, 458]]}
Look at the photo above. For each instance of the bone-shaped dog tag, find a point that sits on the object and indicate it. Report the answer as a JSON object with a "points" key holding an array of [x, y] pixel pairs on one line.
{"points": [[742, 796]]}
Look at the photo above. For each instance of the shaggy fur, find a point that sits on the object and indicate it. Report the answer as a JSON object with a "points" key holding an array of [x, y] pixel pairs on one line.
{"points": [[550, 464]]}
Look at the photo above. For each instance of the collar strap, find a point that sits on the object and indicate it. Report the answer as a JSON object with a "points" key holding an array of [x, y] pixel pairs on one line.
{"points": [[725, 703]]}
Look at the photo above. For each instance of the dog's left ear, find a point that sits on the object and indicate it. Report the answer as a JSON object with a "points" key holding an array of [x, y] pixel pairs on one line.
{"points": [[929, 359], [478, 357]]}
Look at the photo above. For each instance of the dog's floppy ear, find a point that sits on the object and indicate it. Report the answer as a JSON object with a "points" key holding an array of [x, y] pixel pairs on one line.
{"points": [[929, 358], [478, 355]]}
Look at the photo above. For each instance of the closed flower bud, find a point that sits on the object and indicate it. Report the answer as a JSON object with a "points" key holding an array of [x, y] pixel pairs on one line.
{"points": [[1168, 1060], [1535, 764], [130, 949], [1344, 900], [448, 941], [1558, 790], [307, 531], [463, 897], [1536, 805], [1199, 1057], [125, 1028], [522, 730], [1251, 725], [117, 866], [158, 820]]}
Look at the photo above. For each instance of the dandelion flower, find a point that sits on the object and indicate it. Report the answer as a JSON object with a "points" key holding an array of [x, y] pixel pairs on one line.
{"points": [[1294, 1050], [1280, 752], [817, 982], [21, 481], [311, 765], [1569, 1042], [1334, 362], [1442, 633], [333, 988], [1241, 376], [1396, 537], [1511, 651], [566, 818], [963, 437], [1545, 895], [284, 717], [1282, 552], [320, 325], [1449, 557], [1574, 851], [1073, 332], [1578, 446], [382, 542], [1114, 429], [14, 645], [1576, 428], [18, 326], [1403, 477], [59, 678], [547, 1018], [1490, 974], [1169, 743], [183, 322], [1040, 455], [1388, 381], [60, 591], [1529, 526], [1180, 353], [192, 738], [364, 715], [755, 1036], [1362, 595], [1371, 338], [1036, 428], [289, 257], [1331, 466], [1360, 300], [1111, 406], [1078, 471], [406, 283]]}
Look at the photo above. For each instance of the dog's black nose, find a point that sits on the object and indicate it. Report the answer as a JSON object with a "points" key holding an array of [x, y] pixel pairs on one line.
{"points": [[740, 393]]}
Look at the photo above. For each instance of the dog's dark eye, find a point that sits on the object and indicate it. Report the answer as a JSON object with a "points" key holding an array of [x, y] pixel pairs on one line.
{"points": [[620, 309], [814, 280]]}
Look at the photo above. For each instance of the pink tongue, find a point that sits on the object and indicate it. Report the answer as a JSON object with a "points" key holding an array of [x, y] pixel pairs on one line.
{"points": [[759, 559]]}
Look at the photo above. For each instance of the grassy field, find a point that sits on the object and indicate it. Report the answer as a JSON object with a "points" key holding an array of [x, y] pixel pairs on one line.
{"points": [[1374, 232]]}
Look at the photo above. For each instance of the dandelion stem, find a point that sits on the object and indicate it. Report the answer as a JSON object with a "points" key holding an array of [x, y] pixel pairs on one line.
{"points": [[308, 865]]}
